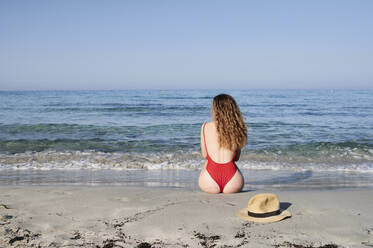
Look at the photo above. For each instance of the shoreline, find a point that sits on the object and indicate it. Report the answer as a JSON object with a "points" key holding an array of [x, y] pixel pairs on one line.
{"points": [[116, 216], [254, 179]]}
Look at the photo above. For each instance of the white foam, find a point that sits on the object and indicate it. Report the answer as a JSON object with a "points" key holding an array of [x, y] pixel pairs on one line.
{"points": [[361, 168], [75, 160]]}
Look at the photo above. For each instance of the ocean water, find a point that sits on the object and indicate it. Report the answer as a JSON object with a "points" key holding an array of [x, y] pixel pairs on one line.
{"points": [[301, 138]]}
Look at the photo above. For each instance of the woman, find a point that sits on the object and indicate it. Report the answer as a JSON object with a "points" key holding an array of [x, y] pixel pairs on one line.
{"points": [[221, 144]]}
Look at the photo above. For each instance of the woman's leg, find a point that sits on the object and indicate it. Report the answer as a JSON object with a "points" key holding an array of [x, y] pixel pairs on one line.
{"points": [[206, 183], [235, 184]]}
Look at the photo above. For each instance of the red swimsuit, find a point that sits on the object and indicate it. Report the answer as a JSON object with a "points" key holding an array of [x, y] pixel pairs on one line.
{"points": [[220, 172]]}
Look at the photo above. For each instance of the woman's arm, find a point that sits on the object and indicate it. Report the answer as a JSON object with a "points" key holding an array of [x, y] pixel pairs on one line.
{"points": [[238, 153], [203, 150]]}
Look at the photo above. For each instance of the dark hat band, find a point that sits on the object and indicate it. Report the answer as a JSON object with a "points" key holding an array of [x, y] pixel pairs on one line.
{"points": [[263, 215]]}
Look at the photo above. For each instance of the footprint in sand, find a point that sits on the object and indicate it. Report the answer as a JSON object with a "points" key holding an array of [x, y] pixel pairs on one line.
{"points": [[122, 199], [63, 193], [4, 206]]}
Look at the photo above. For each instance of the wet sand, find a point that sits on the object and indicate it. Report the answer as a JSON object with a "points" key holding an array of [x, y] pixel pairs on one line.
{"points": [[114, 216]]}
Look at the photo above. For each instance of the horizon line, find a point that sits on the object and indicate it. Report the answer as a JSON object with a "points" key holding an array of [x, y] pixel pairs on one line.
{"points": [[191, 89]]}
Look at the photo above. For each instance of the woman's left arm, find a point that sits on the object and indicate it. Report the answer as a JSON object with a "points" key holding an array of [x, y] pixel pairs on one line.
{"points": [[238, 154]]}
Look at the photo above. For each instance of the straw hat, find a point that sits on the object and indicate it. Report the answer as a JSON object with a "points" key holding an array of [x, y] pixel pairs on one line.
{"points": [[263, 208]]}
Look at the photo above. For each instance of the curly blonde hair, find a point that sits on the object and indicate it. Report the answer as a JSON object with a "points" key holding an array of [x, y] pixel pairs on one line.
{"points": [[230, 125]]}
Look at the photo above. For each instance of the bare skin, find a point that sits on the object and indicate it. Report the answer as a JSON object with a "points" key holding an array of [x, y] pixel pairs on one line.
{"points": [[219, 155]]}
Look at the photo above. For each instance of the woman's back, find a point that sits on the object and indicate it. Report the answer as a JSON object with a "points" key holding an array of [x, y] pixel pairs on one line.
{"points": [[217, 154]]}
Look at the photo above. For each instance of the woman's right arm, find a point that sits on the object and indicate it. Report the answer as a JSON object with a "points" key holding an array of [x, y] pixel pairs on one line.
{"points": [[203, 150]]}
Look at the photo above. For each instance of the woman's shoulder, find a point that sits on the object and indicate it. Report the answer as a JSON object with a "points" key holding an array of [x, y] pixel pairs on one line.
{"points": [[208, 124]]}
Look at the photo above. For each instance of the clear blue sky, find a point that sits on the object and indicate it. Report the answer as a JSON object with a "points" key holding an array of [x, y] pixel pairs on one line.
{"points": [[72, 44]]}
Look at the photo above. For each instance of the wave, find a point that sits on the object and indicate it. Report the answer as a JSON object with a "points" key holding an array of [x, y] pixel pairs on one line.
{"points": [[38, 137], [168, 138], [348, 160], [138, 108], [96, 144], [100, 160], [53, 128]]}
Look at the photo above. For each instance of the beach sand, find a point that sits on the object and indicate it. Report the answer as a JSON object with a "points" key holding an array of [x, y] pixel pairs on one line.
{"points": [[113, 216]]}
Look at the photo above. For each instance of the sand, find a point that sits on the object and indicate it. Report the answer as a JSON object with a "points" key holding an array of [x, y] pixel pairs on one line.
{"points": [[103, 216]]}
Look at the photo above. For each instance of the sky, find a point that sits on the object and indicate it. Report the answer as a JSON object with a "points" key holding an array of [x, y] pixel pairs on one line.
{"points": [[97, 45]]}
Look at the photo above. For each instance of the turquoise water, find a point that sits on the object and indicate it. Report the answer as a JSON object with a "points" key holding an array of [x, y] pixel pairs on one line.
{"points": [[322, 131]]}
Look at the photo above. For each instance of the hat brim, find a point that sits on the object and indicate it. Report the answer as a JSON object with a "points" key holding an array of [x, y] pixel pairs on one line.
{"points": [[242, 214]]}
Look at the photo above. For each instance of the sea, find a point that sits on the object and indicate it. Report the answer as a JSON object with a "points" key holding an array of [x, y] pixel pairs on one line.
{"points": [[297, 139]]}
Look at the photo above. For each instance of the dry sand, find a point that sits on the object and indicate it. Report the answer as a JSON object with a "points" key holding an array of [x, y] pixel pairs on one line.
{"points": [[97, 216]]}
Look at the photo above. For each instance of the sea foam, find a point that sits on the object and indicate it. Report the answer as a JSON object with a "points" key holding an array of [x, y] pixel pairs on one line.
{"points": [[75, 160]]}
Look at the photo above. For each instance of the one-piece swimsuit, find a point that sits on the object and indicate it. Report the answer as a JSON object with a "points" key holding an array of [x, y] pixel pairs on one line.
{"points": [[222, 173]]}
